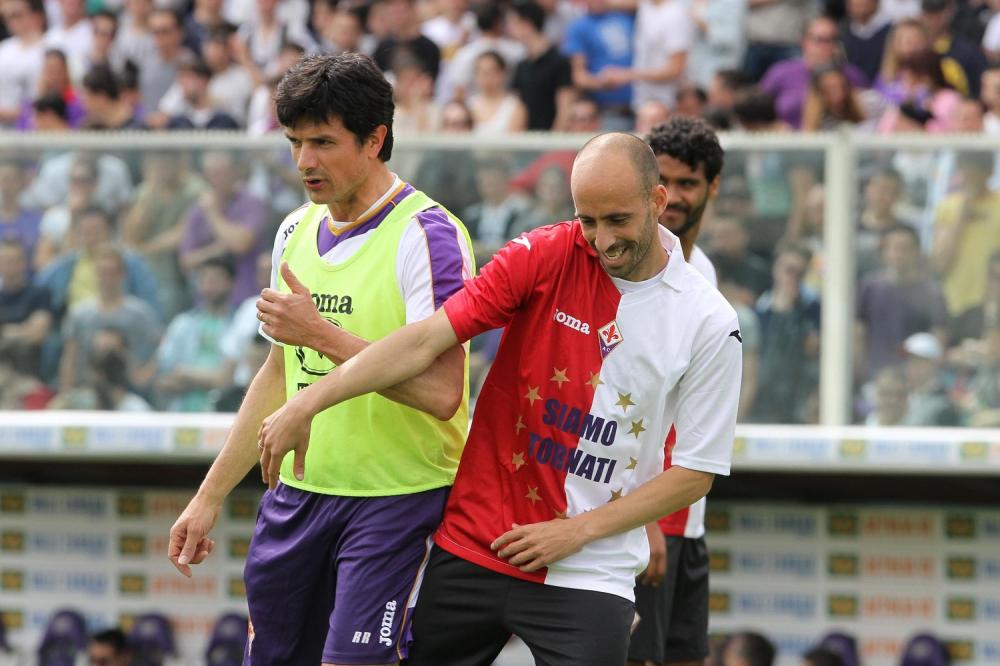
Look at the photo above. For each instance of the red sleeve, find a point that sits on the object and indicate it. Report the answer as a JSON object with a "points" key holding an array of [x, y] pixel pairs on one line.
{"points": [[502, 287]]}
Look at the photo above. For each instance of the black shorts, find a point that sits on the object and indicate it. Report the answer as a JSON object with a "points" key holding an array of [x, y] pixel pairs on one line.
{"points": [[673, 616], [466, 613]]}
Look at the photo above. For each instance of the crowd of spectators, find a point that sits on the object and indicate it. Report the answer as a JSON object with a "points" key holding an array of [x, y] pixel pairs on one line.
{"points": [[127, 280]]}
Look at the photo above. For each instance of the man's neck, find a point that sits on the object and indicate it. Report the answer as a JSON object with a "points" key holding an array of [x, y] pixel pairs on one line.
{"points": [[377, 184], [17, 283], [537, 44], [111, 301], [9, 208]]}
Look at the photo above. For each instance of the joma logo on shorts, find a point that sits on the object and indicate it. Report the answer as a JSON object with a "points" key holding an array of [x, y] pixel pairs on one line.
{"points": [[385, 632], [572, 322]]}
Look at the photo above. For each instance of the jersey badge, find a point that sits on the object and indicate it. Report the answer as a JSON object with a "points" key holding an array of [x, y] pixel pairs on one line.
{"points": [[609, 336]]}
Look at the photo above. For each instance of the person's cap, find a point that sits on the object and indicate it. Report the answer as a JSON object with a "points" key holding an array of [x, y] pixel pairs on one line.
{"points": [[934, 6], [924, 345]]}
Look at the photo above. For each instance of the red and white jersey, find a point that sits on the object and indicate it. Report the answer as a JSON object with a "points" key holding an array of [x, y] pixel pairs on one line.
{"points": [[590, 374], [690, 521]]}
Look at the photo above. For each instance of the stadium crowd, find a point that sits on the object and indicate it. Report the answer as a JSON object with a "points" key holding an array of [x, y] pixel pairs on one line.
{"points": [[129, 280]]}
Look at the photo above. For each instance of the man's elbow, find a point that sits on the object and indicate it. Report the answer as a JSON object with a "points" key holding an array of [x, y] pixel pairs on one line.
{"points": [[447, 404]]}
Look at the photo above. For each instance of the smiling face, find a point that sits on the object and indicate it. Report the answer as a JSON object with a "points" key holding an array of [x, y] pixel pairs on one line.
{"points": [[689, 194], [618, 215]]}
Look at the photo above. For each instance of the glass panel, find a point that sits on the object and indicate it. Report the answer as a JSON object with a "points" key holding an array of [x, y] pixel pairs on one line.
{"points": [[927, 338]]}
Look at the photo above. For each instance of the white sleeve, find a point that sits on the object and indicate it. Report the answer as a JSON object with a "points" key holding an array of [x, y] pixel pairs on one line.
{"points": [[679, 36], [419, 286], [709, 394]]}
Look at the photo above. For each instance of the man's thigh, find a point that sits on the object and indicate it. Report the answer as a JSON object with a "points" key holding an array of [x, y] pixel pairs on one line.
{"points": [[458, 620], [289, 578], [380, 556], [568, 627], [654, 605]]}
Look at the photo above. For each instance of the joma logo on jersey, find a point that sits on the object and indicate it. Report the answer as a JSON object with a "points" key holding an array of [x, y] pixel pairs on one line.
{"points": [[385, 631], [609, 336], [333, 303], [571, 322]]}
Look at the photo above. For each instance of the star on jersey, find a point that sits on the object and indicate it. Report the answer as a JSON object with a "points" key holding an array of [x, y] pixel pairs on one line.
{"points": [[532, 494], [559, 376], [532, 395], [561, 515], [518, 461], [595, 380], [616, 495], [625, 401], [519, 426], [636, 428], [632, 462]]}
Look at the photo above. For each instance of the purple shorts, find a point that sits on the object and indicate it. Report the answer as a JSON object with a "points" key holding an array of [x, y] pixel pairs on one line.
{"points": [[333, 578]]}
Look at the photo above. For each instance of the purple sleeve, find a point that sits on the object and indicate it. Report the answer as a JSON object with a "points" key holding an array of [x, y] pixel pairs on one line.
{"points": [[444, 252], [251, 212], [189, 239], [855, 76]]}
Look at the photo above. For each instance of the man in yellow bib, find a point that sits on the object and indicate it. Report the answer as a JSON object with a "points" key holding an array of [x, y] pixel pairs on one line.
{"points": [[341, 538]]}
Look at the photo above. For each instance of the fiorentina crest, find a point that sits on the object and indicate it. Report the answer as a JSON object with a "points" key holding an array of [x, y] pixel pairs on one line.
{"points": [[609, 336]]}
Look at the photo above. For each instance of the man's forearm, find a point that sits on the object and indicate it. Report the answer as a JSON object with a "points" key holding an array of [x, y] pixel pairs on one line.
{"points": [[401, 355], [437, 390], [240, 453], [672, 490]]}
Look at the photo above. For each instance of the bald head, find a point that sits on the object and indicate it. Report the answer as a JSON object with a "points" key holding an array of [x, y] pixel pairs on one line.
{"points": [[617, 156]]}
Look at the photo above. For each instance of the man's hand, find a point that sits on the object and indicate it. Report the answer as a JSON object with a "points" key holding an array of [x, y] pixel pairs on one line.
{"points": [[189, 542], [291, 319], [532, 547], [285, 430], [657, 567]]}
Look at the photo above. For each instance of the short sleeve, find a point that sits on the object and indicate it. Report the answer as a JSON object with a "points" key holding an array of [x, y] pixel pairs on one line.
{"points": [[433, 262], [575, 41], [490, 299], [708, 397]]}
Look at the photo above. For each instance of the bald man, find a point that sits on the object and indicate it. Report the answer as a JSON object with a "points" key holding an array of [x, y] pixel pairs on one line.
{"points": [[610, 336]]}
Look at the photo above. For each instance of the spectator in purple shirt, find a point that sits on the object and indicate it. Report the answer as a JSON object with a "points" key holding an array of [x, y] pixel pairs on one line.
{"points": [[788, 80], [16, 222], [226, 221]]}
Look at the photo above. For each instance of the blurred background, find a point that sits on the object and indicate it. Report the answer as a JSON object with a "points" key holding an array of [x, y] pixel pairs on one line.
{"points": [[856, 232]]}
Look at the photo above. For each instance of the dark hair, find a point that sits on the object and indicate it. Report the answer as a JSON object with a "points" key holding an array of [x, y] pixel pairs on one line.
{"points": [[692, 89], [495, 57], [222, 263], [900, 228], [95, 211], [195, 65], [488, 15], [178, 19], [731, 79], [101, 80], [107, 14], [819, 656], [753, 106], [51, 103], [56, 53], [129, 79], [752, 647], [691, 141], [794, 247], [530, 11], [926, 62], [718, 118], [114, 637], [348, 86]]}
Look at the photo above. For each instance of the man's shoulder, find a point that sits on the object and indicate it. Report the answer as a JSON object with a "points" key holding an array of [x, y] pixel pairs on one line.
{"points": [[291, 221]]}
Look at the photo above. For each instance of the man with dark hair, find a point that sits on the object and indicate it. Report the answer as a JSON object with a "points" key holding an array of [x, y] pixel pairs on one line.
{"points": [[346, 534], [544, 79], [671, 596], [158, 69], [403, 28], [49, 113], [543, 534], [109, 648], [102, 100], [748, 648], [21, 54]]}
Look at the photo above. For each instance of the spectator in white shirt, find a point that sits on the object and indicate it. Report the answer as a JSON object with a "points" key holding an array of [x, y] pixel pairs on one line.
{"points": [[21, 55], [73, 35]]}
